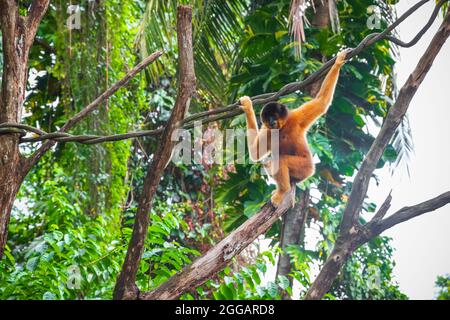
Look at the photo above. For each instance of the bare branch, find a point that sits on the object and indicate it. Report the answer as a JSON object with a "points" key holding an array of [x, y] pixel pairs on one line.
{"points": [[125, 286], [384, 208], [35, 14], [407, 213], [92, 106]]}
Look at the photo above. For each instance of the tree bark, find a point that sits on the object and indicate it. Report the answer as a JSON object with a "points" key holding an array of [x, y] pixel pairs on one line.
{"points": [[292, 233], [18, 34], [351, 232], [126, 283], [10, 180], [377, 226], [321, 18]]}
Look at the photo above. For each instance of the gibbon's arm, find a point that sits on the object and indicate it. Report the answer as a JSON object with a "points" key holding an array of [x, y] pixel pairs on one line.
{"points": [[256, 139], [309, 112]]}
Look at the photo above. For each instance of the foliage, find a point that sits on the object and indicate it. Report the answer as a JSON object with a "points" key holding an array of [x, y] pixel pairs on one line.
{"points": [[76, 208], [61, 253], [60, 242], [214, 40], [443, 285], [246, 283]]}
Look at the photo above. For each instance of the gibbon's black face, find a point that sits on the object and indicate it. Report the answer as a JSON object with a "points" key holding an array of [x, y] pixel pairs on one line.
{"points": [[274, 115]]}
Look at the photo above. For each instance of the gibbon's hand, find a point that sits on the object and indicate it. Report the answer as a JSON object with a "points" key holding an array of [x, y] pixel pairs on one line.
{"points": [[340, 58], [246, 104]]}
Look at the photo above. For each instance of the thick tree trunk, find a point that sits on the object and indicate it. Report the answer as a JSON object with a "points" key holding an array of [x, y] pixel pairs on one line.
{"points": [[15, 57], [292, 234], [321, 18], [10, 180], [343, 249], [17, 37]]}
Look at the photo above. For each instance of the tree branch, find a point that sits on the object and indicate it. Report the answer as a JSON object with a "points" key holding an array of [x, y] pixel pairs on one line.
{"points": [[125, 286], [376, 227], [35, 15], [359, 235], [383, 208], [221, 254]]}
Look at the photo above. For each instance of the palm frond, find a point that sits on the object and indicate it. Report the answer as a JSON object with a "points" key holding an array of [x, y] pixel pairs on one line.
{"points": [[402, 142], [297, 21], [334, 16], [217, 27]]}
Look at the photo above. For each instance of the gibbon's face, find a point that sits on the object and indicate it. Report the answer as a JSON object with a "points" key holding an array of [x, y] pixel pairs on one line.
{"points": [[274, 115]]}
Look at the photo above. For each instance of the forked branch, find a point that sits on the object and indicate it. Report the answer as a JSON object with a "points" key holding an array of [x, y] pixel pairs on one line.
{"points": [[352, 234]]}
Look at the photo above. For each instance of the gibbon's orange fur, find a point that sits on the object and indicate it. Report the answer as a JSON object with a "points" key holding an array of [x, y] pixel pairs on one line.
{"points": [[295, 158]]}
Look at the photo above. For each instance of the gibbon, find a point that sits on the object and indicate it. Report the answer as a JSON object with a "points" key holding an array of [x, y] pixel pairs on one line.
{"points": [[295, 158]]}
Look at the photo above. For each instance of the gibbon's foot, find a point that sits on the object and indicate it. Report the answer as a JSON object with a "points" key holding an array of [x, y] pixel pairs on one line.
{"points": [[277, 197], [246, 103], [340, 58]]}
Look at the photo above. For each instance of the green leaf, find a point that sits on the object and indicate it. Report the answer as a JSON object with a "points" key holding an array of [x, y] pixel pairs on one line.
{"points": [[227, 291], [283, 282]]}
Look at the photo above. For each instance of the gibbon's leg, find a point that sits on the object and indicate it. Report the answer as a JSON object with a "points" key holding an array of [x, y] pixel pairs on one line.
{"points": [[300, 167], [283, 181], [291, 167], [256, 139], [312, 110]]}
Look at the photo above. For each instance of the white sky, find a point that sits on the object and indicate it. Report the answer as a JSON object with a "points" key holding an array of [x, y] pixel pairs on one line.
{"points": [[422, 244]]}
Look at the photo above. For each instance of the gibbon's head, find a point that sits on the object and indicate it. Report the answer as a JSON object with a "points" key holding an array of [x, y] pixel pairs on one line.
{"points": [[274, 115]]}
